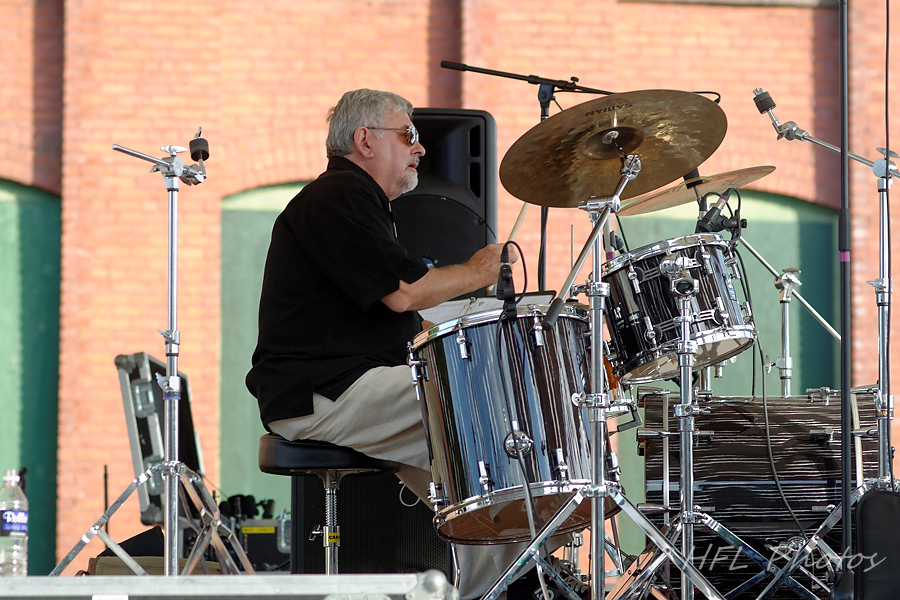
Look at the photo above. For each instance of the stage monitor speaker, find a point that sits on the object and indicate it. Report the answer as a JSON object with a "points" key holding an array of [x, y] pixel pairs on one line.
{"points": [[452, 213]]}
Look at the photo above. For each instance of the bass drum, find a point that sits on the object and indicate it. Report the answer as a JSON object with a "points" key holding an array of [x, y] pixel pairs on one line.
{"points": [[488, 384]]}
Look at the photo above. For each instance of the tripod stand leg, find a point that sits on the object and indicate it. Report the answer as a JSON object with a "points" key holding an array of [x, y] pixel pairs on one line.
{"points": [[811, 544], [531, 551], [120, 552], [104, 518], [666, 547], [768, 568], [638, 576], [203, 502]]}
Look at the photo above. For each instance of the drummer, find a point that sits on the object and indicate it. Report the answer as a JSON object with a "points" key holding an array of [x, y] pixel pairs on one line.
{"points": [[339, 301]]}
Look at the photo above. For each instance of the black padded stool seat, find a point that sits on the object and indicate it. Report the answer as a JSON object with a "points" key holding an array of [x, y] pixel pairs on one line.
{"points": [[330, 463], [279, 456]]}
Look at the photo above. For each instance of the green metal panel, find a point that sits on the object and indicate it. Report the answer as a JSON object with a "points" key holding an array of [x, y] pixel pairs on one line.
{"points": [[247, 221], [29, 355], [787, 232]]}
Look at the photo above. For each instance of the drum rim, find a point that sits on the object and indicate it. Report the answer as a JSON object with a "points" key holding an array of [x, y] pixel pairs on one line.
{"points": [[573, 310], [707, 337], [639, 254]]}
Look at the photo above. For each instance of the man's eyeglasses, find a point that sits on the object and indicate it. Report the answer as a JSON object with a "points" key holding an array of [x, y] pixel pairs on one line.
{"points": [[412, 134]]}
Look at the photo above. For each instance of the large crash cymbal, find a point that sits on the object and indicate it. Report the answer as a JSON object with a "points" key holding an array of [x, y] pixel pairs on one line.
{"points": [[576, 154], [691, 190]]}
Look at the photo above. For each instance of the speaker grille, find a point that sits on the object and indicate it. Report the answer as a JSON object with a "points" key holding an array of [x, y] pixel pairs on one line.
{"points": [[453, 211]]}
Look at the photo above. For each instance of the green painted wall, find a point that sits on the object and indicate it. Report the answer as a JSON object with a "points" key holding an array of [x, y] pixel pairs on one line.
{"points": [[29, 363], [787, 232], [247, 221]]}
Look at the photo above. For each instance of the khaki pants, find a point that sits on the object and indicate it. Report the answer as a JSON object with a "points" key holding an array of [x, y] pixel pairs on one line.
{"points": [[380, 416]]}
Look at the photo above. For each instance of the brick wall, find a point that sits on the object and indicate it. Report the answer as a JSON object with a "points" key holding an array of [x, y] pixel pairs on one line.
{"points": [[260, 82]]}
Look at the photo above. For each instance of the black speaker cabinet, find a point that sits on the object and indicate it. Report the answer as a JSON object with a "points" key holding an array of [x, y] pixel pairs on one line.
{"points": [[380, 531], [453, 211], [734, 484]]}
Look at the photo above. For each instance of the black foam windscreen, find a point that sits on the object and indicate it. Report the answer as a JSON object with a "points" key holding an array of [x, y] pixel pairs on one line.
{"points": [[453, 211]]}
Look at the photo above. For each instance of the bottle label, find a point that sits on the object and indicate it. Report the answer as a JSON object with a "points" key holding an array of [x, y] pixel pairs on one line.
{"points": [[14, 523]]}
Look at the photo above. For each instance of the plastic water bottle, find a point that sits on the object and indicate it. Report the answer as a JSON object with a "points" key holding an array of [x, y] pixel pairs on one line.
{"points": [[13, 527]]}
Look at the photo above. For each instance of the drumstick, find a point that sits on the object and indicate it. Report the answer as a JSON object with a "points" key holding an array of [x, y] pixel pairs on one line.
{"points": [[519, 219]]}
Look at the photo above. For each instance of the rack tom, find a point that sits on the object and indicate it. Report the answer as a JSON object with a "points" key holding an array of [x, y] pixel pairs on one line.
{"points": [[643, 311]]}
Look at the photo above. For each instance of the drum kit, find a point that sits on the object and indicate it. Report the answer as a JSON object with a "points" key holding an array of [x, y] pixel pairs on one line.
{"points": [[516, 403]]}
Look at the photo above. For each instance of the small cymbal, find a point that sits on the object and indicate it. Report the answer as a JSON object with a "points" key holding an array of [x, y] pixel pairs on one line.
{"points": [[576, 154], [691, 189]]}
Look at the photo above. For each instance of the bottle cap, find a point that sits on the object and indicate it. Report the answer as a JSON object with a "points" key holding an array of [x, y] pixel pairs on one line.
{"points": [[11, 475]]}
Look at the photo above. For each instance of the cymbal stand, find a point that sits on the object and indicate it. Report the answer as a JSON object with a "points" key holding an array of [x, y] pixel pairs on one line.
{"points": [[599, 407], [785, 285], [173, 171]]}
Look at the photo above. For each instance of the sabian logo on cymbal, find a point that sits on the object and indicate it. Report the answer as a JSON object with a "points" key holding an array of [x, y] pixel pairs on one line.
{"points": [[609, 108]]}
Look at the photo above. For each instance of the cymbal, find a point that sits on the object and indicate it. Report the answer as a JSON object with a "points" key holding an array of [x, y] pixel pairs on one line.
{"points": [[576, 154], [691, 189]]}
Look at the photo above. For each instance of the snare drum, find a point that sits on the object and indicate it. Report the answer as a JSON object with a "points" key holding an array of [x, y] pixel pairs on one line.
{"points": [[643, 311], [482, 379]]}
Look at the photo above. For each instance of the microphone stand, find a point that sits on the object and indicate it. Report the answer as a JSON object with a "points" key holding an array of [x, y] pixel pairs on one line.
{"points": [[884, 169], [173, 171], [545, 97], [173, 471]]}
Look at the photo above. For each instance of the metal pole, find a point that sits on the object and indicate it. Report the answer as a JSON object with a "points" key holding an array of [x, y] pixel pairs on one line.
{"points": [[172, 388]]}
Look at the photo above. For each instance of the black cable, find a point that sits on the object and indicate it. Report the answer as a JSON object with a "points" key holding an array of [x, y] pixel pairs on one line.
{"points": [[622, 231], [771, 455], [524, 270]]}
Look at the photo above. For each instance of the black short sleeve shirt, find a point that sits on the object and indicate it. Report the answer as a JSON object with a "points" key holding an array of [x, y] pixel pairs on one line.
{"points": [[333, 255]]}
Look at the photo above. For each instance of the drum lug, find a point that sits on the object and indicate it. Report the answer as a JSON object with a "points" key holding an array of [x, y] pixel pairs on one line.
{"points": [[720, 315], [484, 477], [731, 262], [415, 365], [613, 471], [560, 468], [537, 332], [635, 279], [463, 343], [649, 332], [748, 312], [437, 501], [704, 260]]}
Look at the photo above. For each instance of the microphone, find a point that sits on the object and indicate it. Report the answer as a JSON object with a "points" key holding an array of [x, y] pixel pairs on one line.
{"points": [[506, 290], [449, 64], [712, 221]]}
